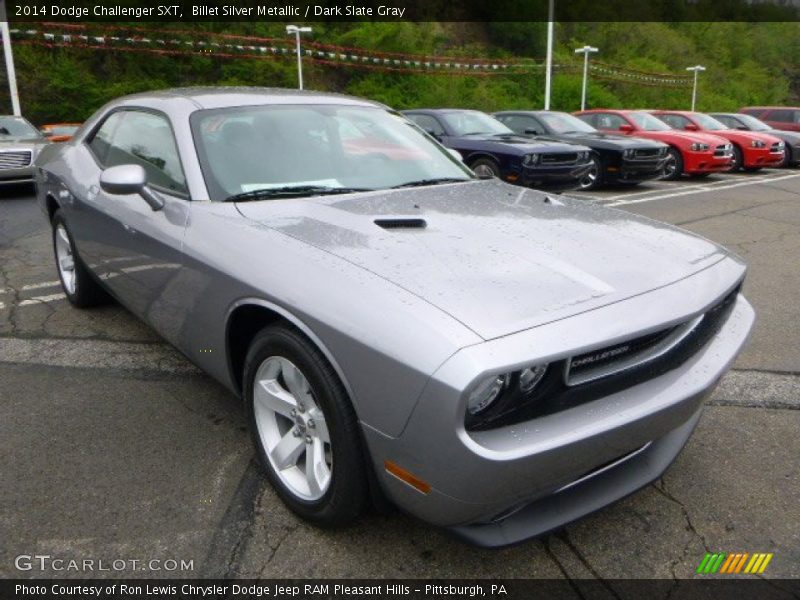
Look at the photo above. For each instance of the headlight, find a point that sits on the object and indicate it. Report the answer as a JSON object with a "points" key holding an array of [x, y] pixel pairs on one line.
{"points": [[530, 159], [529, 378], [698, 147], [486, 393], [781, 145], [758, 144], [583, 155], [627, 153], [662, 151]]}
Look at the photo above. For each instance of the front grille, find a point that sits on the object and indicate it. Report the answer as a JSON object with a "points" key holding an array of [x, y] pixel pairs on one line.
{"points": [[561, 158], [776, 147], [572, 382], [647, 153], [721, 150], [15, 159]]}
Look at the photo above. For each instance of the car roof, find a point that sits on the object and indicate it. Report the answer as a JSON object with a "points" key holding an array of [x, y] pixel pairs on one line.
{"points": [[222, 97], [769, 107], [440, 110]]}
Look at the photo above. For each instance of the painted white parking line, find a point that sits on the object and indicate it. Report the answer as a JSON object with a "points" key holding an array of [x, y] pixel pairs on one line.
{"points": [[42, 299], [703, 190], [38, 286]]}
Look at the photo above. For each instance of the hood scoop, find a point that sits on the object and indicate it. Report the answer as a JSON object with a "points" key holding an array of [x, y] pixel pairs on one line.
{"points": [[401, 223]]}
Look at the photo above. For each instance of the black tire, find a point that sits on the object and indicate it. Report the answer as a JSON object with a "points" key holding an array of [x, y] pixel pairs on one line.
{"points": [[674, 167], [699, 175], [788, 158], [752, 169], [484, 166], [87, 291], [594, 178], [347, 493], [738, 159]]}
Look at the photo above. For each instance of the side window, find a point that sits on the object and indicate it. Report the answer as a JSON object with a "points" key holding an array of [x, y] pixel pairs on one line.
{"points": [[145, 139], [782, 115], [754, 112], [428, 123], [731, 122], [675, 121], [609, 121], [591, 119], [101, 140]]}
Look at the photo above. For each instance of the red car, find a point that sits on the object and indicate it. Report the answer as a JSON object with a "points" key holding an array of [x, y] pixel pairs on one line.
{"points": [[751, 150], [693, 153], [777, 117]]}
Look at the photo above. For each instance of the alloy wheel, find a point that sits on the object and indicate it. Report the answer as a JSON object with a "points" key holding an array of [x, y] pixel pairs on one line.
{"points": [[65, 260], [292, 428]]}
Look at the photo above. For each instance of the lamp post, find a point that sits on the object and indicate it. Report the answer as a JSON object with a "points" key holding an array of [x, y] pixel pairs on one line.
{"points": [[548, 67], [696, 69], [586, 50], [12, 76], [297, 31]]}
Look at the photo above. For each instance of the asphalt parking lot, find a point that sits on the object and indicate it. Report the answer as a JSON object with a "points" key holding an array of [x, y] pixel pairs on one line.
{"points": [[112, 446]]}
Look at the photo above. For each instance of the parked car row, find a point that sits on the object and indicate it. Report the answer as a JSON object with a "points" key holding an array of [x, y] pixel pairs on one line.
{"points": [[596, 147]]}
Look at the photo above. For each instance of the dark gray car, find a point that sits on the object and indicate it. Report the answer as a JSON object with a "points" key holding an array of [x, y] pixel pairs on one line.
{"points": [[489, 358], [744, 122]]}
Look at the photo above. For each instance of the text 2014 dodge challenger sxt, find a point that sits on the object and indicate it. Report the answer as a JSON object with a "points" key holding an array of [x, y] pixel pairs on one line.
{"points": [[491, 359]]}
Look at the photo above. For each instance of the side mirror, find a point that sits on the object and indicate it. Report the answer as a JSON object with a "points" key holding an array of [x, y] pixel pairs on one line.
{"points": [[691, 127], [455, 154], [531, 132], [626, 128], [130, 179]]}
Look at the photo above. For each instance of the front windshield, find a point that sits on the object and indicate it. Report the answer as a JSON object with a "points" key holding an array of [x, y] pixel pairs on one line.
{"points": [[648, 122], [707, 122], [753, 124], [559, 122], [468, 122], [253, 148], [17, 127]]}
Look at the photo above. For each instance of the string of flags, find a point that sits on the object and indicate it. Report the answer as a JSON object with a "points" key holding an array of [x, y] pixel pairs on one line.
{"points": [[177, 42]]}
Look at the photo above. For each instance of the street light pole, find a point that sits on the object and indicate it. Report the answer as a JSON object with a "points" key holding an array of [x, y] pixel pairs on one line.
{"points": [[548, 68], [297, 31], [696, 69], [12, 74], [586, 50]]}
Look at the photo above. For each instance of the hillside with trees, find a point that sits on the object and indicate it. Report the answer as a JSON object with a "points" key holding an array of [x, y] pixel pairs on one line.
{"points": [[747, 63]]}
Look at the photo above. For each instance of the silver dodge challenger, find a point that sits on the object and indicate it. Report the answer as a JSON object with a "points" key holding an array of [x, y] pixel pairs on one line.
{"points": [[494, 360]]}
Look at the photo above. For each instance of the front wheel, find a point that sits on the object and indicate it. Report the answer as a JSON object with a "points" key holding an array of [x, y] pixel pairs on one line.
{"points": [[304, 428], [674, 165], [485, 168], [787, 158], [593, 177], [738, 159]]}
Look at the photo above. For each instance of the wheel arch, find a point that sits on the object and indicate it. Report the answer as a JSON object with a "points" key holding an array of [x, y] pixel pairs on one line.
{"points": [[479, 154], [246, 317], [51, 205]]}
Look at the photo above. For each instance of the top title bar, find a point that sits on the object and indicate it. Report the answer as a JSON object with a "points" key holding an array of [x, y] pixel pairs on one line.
{"points": [[400, 10]]}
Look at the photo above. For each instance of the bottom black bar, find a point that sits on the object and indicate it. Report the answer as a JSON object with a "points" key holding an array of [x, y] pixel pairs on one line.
{"points": [[732, 588]]}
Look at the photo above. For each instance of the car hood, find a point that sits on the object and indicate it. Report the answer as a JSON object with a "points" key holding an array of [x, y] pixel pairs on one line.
{"points": [[497, 258], [745, 137], [786, 136], [608, 141], [511, 143]]}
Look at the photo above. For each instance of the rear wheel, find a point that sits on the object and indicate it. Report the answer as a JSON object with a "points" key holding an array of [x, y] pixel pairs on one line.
{"points": [[304, 428], [485, 167], [76, 281], [674, 165], [593, 177]]}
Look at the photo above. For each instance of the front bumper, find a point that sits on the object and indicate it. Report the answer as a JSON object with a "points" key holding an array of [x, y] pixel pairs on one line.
{"points": [[761, 157], [553, 174], [706, 162], [504, 485], [636, 170], [20, 175]]}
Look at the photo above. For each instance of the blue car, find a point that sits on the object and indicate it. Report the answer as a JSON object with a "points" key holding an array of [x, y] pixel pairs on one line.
{"points": [[490, 148]]}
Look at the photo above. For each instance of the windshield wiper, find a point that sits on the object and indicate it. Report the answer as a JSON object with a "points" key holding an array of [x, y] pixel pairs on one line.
{"points": [[435, 181], [293, 191]]}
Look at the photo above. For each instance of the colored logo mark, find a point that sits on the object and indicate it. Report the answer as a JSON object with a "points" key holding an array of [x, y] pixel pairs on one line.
{"points": [[733, 563]]}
